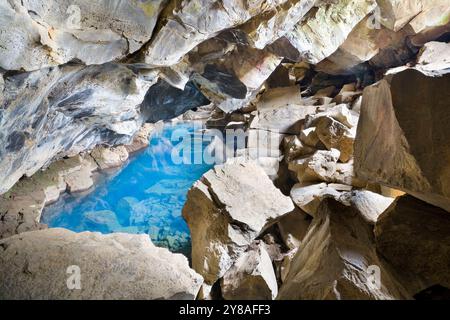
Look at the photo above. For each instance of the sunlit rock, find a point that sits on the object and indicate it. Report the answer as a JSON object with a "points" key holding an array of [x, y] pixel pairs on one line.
{"points": [[337, 260], [37, 34], [326, 28], [399, 141], [251, 277], [191, 22], [226, 210], [129, 266]]}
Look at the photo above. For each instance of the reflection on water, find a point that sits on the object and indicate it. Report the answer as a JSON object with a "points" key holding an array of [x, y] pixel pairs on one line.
{"points": [[145, 196]]}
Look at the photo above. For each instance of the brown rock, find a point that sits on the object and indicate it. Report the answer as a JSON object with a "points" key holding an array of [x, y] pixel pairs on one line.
{"points": [[415, 238]]}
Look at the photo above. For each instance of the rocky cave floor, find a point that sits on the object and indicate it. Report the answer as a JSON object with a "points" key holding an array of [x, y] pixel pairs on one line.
{"points": [[341, 190]]}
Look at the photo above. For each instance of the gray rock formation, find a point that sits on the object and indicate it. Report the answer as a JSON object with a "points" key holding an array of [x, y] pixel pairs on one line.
{"points": [[39, 265], [251, 277], [38, 34]]}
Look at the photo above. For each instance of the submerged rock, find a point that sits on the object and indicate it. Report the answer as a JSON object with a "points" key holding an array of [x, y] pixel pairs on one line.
{"points": [[44, 265], [21, 207]]}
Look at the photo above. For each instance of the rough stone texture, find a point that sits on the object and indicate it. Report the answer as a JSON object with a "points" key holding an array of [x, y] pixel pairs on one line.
{"points": [[70, 109], [107, 158], [415, 238], [251, 277], [320, 166], [234, 79], [226, 210], [370, 204], [327, 28], [21, 207], [141, 139], [293, 228], [269, 26], [37, 34], [193, 22], [309, 196], [390, 36], [395, 14], [285, 119], [164, 102], [334, 134], [293, 148], [402, 132], [334, 260], [434, 56], [34, 265]]}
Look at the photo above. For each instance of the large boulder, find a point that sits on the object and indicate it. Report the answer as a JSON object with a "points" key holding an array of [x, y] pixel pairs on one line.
{"points": [[338, 260], [415, 238], [71, 108], [402, 131], [226, 210], [44, 265]]}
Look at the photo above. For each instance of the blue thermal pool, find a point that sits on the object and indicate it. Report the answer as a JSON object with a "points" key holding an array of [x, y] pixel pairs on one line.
{"points": [[144, 196]]}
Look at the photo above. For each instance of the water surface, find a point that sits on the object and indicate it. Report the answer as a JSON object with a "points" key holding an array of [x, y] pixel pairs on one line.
{"points": [[145, 196]]}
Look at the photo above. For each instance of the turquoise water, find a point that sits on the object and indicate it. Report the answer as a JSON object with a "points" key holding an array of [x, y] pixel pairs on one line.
{"points": [[145, 196]]}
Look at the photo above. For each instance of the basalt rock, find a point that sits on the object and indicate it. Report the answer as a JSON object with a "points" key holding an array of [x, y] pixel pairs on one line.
{"points": [[251, 277], [44, 265], [164, 102], [191, 22], [316, 38], [415, 238], [36, 34]]}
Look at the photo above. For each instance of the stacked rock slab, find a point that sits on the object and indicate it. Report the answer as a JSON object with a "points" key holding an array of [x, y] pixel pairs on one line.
{"points": [[226, 210]]}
